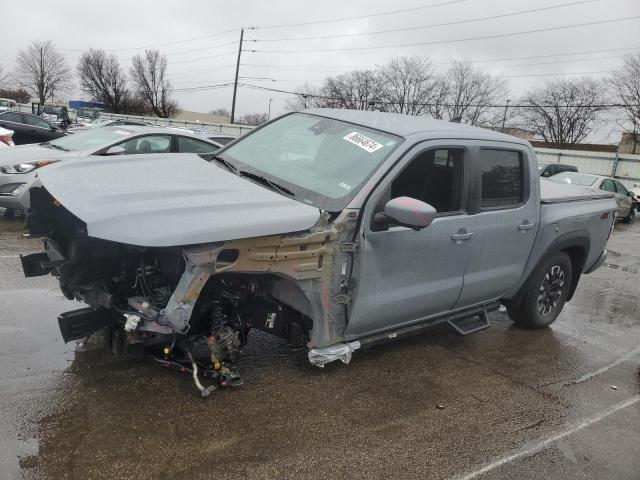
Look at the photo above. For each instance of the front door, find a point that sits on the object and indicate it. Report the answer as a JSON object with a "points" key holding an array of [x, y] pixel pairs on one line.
{"points": [[402, 275], [505, 224]]}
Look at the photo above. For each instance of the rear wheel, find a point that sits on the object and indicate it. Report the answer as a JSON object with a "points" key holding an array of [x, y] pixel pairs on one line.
{"points": [[632, 215], [546, 291]]}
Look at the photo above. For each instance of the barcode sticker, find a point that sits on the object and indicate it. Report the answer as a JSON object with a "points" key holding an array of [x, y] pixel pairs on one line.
{"points": [[363, 142]]}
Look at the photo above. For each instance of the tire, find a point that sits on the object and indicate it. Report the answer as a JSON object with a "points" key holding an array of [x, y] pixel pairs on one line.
{"points": [[546, 291], [631, 217]]}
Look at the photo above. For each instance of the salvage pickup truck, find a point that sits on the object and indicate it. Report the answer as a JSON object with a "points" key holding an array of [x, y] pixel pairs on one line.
{"points": [[334, 229]]}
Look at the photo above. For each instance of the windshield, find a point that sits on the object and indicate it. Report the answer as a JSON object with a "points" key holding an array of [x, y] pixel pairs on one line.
{"points": [[323, 161], [6, 103], [574, 178], [89, 139]]}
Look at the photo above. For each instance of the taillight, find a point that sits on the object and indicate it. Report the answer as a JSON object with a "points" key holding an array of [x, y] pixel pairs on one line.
{"points": [[7, 140]]}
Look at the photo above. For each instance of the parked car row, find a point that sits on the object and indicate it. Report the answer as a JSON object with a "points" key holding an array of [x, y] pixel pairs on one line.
{"points": [[18, 165]]}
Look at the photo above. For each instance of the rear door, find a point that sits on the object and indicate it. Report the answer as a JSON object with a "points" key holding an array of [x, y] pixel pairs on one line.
{"points": [[505, 223], [40, 130], [625, 199], [608, 185]]}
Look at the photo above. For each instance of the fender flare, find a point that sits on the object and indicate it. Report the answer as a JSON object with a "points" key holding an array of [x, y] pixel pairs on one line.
{"points": [[577, 241]]}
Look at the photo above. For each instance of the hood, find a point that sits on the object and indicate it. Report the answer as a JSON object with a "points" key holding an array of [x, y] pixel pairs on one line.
{"points": [[170, 200], [31, 153]]}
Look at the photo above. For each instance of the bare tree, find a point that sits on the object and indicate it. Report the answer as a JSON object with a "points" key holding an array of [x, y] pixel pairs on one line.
{"points": [[356, 90], [149, 74], [42, 70], [220, 112], [626, 86], [254, 118], [307, 96], [102, 77], [20, 95], [4, 77], [564, 111], [471, 94], [410, 86]]}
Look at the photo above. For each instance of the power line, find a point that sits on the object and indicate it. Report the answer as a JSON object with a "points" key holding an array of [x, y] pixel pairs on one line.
{"points": [[205, 58], [584, 52], [219, 67], [554, 74], [203, 87], [372, 15], [383, 102], [365, 67], [458, 40], [162, 44], [433, 25]]}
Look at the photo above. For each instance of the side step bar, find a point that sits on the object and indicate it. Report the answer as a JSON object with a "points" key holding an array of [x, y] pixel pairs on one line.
{"points": [[463, 323], [82, 323], [471, 323]]}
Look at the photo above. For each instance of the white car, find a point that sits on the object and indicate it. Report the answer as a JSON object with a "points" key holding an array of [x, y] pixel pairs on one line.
{"points": [[6, 138]]}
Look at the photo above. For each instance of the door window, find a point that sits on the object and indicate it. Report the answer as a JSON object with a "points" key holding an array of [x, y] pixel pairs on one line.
{"points": [[608, 185], [148, 144], [191, 145], [434, 177], [502, 178], [36, 122]]}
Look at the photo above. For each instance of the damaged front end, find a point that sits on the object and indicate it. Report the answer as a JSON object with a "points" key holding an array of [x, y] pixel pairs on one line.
{"points": [[193, 306]]}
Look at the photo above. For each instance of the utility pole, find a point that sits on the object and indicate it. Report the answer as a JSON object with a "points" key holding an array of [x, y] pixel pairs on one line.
{"points": [[235, 82], [504, 118]]}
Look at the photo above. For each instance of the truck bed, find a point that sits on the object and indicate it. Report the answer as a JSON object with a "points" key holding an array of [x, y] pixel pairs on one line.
{"points": [[553, 192]]}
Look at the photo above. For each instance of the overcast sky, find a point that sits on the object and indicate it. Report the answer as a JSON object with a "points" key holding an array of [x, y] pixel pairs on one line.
{"points": [[126, 27]]}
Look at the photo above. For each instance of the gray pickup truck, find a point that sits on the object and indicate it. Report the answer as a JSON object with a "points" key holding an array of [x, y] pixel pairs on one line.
{"points": [[333, 229]]}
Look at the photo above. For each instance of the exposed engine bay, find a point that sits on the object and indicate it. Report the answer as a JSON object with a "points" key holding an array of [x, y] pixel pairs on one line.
{"points": [[188, 307]]}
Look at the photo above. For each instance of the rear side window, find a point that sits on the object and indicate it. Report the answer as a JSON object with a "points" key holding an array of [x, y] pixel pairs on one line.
{"points": [[502, 178], [221, 140], [621, 189], [36, 121], [191, 145], [12, 117], [608, 185]]}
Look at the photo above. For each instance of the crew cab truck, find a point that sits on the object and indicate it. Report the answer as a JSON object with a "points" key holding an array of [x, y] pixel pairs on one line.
{"points": [[334, 229]]}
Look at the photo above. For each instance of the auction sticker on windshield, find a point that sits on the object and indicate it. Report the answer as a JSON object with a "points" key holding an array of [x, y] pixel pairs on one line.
{"points": [[363, 142]]}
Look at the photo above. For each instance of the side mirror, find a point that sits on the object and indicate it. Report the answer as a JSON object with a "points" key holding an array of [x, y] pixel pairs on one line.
{"points": [[116, 150], [630, 193], [406, 212]]}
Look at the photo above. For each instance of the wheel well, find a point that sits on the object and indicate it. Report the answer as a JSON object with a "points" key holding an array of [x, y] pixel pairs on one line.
{"points": [[578, 256]]}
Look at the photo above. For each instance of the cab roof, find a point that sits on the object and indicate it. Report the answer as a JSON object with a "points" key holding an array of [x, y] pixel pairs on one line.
{"points": [[413, 126]]}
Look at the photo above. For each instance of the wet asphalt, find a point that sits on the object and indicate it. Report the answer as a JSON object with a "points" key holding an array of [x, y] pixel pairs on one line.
{"points": [[504, 403]]}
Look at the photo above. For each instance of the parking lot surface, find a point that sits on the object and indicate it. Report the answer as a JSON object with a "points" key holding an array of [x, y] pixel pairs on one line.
{"points": [[504, 403]]}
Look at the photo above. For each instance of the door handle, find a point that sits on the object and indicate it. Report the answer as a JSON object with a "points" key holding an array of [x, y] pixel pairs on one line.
{"points": [[525, 227], [462, 235]]}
